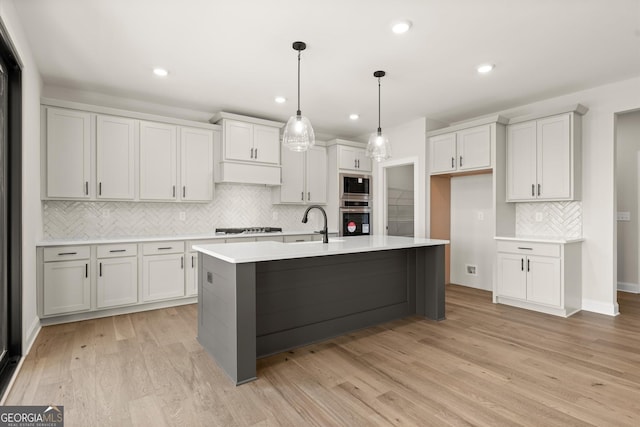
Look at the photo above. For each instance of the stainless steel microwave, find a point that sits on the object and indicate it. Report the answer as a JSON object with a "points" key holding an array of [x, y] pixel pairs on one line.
{"points": [[355, 187]]}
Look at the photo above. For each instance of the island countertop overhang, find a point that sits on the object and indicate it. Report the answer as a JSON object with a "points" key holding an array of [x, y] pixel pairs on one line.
{"points": [[246, 252]]}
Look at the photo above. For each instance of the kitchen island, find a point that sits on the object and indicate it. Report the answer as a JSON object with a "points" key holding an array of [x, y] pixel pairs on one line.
{"points": [[261, 298]]}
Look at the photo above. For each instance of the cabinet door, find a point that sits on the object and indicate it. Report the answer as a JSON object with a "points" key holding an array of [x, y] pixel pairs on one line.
{"points": [[157, 161], [68, 153], [117, 281], [554, 158], [192, 274], [543, 280], [238, 140], [316, 176], [443, 153], [512, 279], [364, 162], [196, 164], [163, 276], [474, 148], [349, 158], [115, 157], [521, 161], [292, 188], [266, 144], [66, 287]]}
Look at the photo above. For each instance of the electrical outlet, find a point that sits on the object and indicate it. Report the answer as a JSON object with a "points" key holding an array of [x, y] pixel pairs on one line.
{"points": [[183, 216], [480, 216], [539, 217], [472, 270], [624, 216], [106, 213]]}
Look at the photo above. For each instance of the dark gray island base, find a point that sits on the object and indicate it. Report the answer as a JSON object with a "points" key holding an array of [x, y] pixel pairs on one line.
{"points": [[250, 310]]}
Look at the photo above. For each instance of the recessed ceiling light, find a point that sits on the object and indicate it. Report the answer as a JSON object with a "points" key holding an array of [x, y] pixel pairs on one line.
{"points": [[400, 27], [280, 99], [160, 72], [354, 116], [485, 68]]}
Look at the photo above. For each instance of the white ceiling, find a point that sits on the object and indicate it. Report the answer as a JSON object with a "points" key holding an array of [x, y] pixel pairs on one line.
{"points": [[236, 56]]}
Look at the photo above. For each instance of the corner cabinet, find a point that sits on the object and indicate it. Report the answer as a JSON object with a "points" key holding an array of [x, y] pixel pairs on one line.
{"points": [[464, 150], [249, 151], [544, 159], [539, 276], [304, 177], [68, 154]]}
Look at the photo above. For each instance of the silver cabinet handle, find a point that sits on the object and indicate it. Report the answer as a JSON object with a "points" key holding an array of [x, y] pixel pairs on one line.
{"points": [[453, 162], [539, 189], [165, 248], [117, 250], [526, 249], [533, 190], [67, 253], [460, 161], [174, 191]]}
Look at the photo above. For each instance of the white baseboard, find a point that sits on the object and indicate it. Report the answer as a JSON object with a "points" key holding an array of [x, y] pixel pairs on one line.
{"points": [[629, 287], [610, 309], [30, 336]]}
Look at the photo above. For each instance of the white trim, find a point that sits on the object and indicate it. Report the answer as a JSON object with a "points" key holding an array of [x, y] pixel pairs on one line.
{"points": [[610, 309], [496, 118], [634, 288], [30, 336]]}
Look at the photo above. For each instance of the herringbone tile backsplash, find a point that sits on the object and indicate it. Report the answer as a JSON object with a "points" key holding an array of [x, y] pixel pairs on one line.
{"points": [[562, 219], [234, 205]]}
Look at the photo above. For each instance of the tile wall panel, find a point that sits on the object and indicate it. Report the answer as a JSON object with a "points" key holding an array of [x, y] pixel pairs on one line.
{"points": [[558, 219], [234, 205]]}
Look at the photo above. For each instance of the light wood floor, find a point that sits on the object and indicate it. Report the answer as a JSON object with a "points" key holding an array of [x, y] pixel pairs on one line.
{"points": [[486, 364]]}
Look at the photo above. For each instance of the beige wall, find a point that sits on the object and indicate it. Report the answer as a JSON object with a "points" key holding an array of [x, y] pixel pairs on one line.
{"points": [[627, 158]]}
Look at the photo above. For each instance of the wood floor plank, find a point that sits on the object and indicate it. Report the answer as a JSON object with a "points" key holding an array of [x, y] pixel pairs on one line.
{"points": [[485, 365]]}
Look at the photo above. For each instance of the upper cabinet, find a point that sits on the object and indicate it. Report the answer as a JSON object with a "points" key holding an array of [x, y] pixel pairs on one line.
{"points": [[106, 154], [543, 159], [249, 151], [158, 161], [304, 177], [464, 150], [115, 157], [354, 159], [68, 154]]}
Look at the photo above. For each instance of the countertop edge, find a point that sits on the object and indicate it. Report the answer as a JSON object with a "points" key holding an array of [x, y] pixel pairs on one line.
{"points": [[561, 240]]}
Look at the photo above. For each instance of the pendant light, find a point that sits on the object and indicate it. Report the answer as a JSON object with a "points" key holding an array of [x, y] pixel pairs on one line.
{"points": [[378, 147], [298, 134]]}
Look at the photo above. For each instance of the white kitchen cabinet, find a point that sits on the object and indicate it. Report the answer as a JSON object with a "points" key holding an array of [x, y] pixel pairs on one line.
{"points": [[543, 159], [352, 158], [68, 154], [115, 157], [66, 286], [251, 142], [117, 282], [539, 276], [158, 161], [304, 177], [163, 275], [464, 150], [196, 164]]}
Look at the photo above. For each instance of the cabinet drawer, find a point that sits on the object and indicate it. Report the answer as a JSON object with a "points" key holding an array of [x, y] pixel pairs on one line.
{"points": [[162, 248], [66, 253], [117, 250], [530, 248]]}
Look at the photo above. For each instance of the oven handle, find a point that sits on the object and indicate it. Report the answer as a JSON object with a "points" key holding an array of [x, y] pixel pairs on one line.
{"points": [[356, 210]]}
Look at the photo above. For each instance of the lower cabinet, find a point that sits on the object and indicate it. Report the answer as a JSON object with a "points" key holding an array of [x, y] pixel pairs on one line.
{"points": [[539, 276], [163, 274], [117, 281], [66, 287]]}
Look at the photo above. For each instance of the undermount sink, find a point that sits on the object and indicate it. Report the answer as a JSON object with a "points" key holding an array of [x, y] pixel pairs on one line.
{"points": [[319, 241]]}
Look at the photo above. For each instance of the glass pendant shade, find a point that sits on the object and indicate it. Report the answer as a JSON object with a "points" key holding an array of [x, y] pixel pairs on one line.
{"points": [[378, 147], [298, 134]]}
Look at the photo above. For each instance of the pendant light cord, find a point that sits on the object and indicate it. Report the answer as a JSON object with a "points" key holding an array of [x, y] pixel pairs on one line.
{"points": [[299, 113]]}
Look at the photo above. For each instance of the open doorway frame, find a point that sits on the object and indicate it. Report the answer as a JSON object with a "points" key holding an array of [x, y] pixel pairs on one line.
{"points": [[380, 198]]}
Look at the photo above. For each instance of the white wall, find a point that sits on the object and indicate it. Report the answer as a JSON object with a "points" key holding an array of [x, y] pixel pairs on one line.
{"points": [[627, 158], [31, 207], [472, 233]]}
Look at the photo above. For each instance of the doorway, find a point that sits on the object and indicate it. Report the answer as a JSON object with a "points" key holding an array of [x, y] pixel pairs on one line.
{"points": [[400, 201]]}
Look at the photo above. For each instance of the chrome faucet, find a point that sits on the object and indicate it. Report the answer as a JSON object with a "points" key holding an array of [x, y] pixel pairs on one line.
{"points": [[325, 231]]}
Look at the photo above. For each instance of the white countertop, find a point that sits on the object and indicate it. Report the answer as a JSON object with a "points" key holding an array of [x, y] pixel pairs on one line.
{"points": [[243, 252], [541, 239], [159, 238]]}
